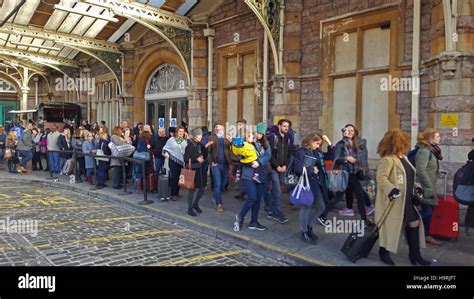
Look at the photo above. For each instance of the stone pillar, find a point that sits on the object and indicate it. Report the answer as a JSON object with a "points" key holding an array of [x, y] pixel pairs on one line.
{"points": [[197, 94], [451, 86], [210, 34], [287, 87]]}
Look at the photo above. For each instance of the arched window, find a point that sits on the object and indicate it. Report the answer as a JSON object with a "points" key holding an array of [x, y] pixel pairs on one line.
{"points": [[167, 78]]}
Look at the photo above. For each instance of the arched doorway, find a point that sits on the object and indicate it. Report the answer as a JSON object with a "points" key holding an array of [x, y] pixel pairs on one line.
{"points": [[166, 97], [8, 101]]}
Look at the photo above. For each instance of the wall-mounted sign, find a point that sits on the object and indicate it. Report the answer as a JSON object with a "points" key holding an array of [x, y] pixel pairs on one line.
{"points": [[449, 120]]}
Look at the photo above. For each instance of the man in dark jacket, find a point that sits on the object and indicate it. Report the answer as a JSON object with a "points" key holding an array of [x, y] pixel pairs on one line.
{"points": [[281, 149], [219, 158], [158, 144]]}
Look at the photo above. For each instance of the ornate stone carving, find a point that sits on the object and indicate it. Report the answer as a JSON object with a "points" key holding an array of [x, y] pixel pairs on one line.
{"points": [[449, 63]]}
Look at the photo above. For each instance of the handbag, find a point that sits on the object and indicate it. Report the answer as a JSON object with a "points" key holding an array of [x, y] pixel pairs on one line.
{"points": [[69, 166], [290, 180], [8, 153], [43, 149], [142, 156], [302, 194], [100, 152], [337, 179], [186, 178], [123, 150]]}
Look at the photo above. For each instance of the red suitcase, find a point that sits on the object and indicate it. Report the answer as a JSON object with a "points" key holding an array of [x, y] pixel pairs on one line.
{"points": [[445, 218], [152, 182]]}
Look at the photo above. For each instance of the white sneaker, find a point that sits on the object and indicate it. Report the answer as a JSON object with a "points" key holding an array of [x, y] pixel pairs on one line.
{"points": [[346, 212]]}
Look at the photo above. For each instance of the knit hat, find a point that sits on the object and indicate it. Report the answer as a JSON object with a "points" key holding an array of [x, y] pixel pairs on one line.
{"points": [[196, 132], [261, 128], [470, 156]]}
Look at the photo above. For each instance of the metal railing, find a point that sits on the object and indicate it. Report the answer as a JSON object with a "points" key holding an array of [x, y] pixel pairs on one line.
{"points": [[76, 154]]}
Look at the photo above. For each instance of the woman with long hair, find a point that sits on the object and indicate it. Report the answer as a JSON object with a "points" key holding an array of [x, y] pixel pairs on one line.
{"points": [[427, 160], [345, 158], [10, 145], [311, 150], [36, 152], [103, 166], [144, 144], [253, 188], [396, 182], [174, 151]]}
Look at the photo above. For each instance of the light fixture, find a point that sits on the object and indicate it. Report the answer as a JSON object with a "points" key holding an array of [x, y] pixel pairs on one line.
{"points": [[35, 46], [85, 13]]}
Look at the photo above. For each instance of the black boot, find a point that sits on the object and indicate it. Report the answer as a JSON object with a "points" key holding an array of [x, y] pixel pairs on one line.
{"points": [[385, 256], [307, 238], [311, 233], [413, 239]]}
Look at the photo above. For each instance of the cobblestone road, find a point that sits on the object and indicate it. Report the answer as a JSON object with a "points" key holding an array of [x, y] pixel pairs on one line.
{"points": [[41, 226]]}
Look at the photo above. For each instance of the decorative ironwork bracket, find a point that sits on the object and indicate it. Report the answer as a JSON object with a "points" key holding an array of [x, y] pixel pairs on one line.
{"points": [[268, 13]]}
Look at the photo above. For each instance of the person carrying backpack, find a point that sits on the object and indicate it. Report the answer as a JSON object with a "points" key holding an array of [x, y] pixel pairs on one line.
{"points": [[427, 160], [281, 152], [463, 185]]}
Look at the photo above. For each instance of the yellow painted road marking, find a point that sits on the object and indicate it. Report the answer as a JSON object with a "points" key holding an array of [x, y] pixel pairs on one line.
{"points": [[97, 220], [201, 258], [243, 237], [61, 208], [98, 239], [125, 236]]}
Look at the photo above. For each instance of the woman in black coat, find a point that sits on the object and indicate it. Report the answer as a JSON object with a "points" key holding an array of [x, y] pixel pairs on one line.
{"points": [[197, 153], [103, 166]]}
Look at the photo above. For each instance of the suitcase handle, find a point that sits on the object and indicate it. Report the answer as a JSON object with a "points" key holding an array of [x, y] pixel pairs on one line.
{"points": [[385, 215], [445, 174]]}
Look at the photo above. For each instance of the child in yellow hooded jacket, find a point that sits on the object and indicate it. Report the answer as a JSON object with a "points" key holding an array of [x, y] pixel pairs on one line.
{"points": [[249, 154]]}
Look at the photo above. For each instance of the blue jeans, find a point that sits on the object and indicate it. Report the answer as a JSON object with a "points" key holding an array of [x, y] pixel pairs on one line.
{"points": [[54, 162], [309, 214], [25, 156], [158, 164], [101, 177], [219, 173], [426, 213], [275, 196], [254, 197], [89, 171]]}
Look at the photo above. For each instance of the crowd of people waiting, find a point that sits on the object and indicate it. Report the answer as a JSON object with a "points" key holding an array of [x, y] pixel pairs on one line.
{"points": [[259, 161]]}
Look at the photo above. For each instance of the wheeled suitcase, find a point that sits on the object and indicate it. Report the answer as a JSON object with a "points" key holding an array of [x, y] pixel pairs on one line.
{"points": [[445, 217], [151, 182], [356, 247], [163, 187]]}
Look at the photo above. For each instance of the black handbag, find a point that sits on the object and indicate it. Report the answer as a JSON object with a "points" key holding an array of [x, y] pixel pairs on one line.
{"points": [[356, 247]]}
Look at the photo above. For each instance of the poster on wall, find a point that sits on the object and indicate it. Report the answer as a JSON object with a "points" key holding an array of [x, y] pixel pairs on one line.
{"points": [[173, 123], [161, 122]]}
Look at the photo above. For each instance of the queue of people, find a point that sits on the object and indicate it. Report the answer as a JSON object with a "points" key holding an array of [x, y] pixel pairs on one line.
{"points": [[259, 161]]}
